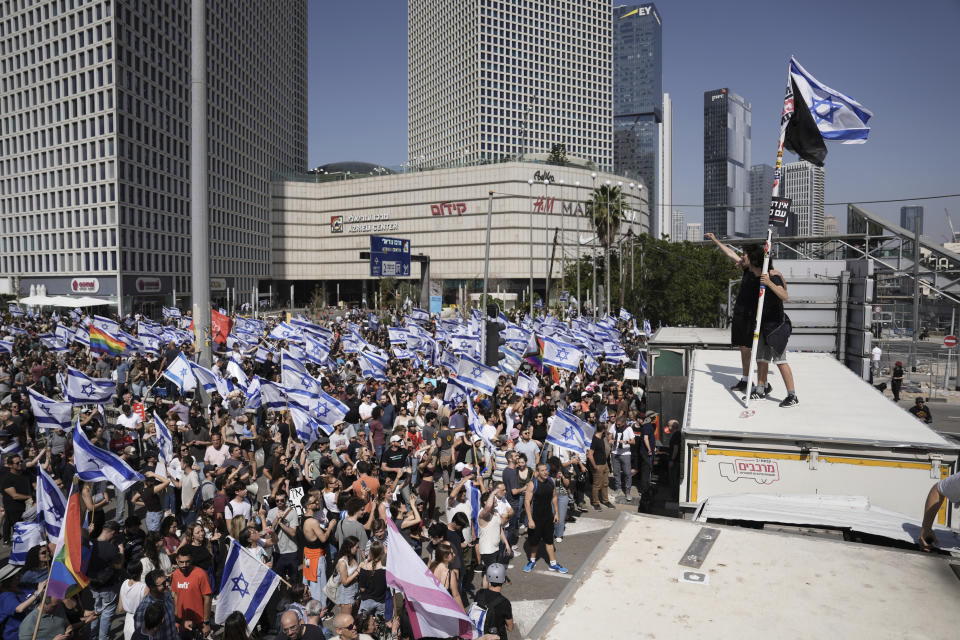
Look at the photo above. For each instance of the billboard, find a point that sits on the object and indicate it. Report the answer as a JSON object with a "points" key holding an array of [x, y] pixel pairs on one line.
{"points": [[389, 257]]}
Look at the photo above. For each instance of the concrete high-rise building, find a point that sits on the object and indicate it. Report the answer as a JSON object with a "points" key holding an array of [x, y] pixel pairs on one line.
{"points": [[908, 215], [761, 189], [694, 232], [489, 80], [638, 108], [678, 227], [95, 133], [831, 226], [726, 162], [664, 195], [803, 183]]}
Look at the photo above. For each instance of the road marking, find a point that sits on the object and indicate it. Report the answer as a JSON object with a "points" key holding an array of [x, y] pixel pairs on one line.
{"points": [[526, 613]]}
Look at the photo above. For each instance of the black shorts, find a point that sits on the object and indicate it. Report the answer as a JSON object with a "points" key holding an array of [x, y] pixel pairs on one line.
{"points": [[542, 532], [487, 559], [741, 329]]}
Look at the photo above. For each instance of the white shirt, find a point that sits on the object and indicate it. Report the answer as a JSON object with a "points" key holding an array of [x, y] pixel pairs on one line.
{"points": [[130, 422], [338, 440], [622, 444], [234, 509], [876, 354], [366, 410], [175, 468]]}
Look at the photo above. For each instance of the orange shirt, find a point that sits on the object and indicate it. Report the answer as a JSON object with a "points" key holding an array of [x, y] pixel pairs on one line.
{"points": [[373, 486], [188, 592]]}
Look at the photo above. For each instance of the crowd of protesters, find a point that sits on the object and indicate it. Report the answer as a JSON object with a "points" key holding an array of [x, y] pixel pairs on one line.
{"points": [[317, 515]]}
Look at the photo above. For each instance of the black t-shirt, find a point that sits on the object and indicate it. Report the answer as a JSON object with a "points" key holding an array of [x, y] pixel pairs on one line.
{"points": [[499, 610], [103, 558], [648, 430], [151, 500], [748, 294], [599, 450], [21, 484], [395, 458]]}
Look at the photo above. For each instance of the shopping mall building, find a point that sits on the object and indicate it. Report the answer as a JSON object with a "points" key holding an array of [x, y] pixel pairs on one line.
{"points": [[321, 224]]}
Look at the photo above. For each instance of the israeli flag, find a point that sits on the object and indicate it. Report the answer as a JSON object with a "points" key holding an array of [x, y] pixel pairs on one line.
{"points": [[570, 432], [6, 346], [641, 363], [164, 439], [456, 393], [295, 377], [246, 586], [449, 361], [561, 355], [272, 395], [328, 409], [511, 362], [284, 331], [93, 463], [647, 329], [473, 498], [308, 427], [207, 379], [613, 351], [477, 375], [49, 413], [263, 354], [254, 397], [526, 384], [82, 389], [14, 309], [171, 312], [26, 535], [65, 334], [315, 350], [234, 371], [51, 505], [180, 373], [372, 366], [476, 425], [625, 315], [106, 324], [838, 117], [403, 354], [605, 416], [397, 335], [590, 364]]}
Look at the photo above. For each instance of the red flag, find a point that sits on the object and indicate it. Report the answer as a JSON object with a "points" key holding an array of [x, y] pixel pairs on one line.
{"points": [[219, 326]]}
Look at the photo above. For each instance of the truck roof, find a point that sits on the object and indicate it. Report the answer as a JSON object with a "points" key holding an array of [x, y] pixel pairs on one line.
{"points": [[835, 405], [757, 584], [690, 336]]}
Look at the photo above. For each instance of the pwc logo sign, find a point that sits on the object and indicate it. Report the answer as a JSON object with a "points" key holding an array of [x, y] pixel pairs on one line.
{"points": [[336, 224]]}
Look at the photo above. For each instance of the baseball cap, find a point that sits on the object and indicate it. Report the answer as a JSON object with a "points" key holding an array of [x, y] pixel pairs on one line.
{"points": [[130, 451], [395, 438]]}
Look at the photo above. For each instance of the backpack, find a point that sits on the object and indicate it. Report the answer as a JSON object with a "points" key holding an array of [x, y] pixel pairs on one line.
{"points": [[480, 615], [198, 499]]}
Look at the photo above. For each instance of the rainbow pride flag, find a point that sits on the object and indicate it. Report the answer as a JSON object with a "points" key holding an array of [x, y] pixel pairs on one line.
{"points": [[67, 575], [103, 342], [535, 358]]}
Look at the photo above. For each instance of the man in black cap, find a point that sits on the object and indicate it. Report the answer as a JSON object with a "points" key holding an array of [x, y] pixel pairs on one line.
{"points": [[921, 411]]}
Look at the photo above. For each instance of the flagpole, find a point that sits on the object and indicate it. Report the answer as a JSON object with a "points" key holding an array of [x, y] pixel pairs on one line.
{"points": [[785, 116], [43, 598]]}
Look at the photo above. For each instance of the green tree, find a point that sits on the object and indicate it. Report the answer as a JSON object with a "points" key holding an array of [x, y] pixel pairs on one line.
{"points": [[558, 154], [604, 212]]}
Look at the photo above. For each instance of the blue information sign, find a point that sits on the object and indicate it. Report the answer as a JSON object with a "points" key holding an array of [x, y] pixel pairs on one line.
{"points": [[389, 257]]}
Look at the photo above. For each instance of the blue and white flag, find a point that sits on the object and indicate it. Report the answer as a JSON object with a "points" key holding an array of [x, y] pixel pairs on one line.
{"points": [[398, 335], [590, 364], [94, 463], [837, 116], [570, 432], [316, 351], [613, 351], [372, 366], [272, 395], [207, 378], [605, 416], [625, 315], [51, 505], [526, 384], [327, 409], [234, 372], [6, 346], [641, 363], [647, 329], [307, 426], [473, 499], [246, 586], [82, 389], [26, 535], [477, 375], [511, 361], [106, 324], [49, 413], [180, 373], [171, 312], [455, 394], [448, 360], [14, 309], [561, 354], [476, 426], [164, 440], [295, 377]]}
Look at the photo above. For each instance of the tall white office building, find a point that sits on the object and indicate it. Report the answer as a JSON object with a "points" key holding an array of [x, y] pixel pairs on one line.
{"points": [[694, 232], [678, 227], [803, 183], [95, 134], [494, 79], [664, 199]]}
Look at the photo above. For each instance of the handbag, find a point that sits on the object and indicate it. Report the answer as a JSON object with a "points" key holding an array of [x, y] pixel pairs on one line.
{"points": [[333, 585], [778, 336]]}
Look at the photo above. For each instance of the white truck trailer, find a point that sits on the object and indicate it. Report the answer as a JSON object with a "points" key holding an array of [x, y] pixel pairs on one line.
{"points": [[844, 438]]}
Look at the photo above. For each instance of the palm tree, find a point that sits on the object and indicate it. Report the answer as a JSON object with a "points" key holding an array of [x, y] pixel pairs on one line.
{"points": [[605, 210]]}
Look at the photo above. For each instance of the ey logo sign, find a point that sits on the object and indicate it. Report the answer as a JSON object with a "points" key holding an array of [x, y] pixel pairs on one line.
{"points": [[336, 224]]}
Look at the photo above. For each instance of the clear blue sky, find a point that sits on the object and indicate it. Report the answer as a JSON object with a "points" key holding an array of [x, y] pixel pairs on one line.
{"points": [[899, 59]]}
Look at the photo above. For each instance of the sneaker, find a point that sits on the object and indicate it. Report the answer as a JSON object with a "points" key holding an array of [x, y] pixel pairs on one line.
{"points": [[629, 498], [597, 507], [556, 567], [530, 566], [740, 386], [768, 388], [758, 394], [790, 401], [558, 540], [609, 504]]}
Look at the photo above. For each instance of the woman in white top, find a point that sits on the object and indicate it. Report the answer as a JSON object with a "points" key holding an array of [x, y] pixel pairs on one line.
{"points": [[154, 555], [488, 540], [132, 591]]}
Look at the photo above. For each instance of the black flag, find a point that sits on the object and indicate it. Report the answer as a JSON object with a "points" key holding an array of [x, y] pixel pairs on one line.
{"points": [[802, 136]]}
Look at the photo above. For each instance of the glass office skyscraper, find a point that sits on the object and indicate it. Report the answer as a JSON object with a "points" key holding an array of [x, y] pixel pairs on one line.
{"points": [[95, 142], [638, 101], [726, 163], [908, 215]]}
